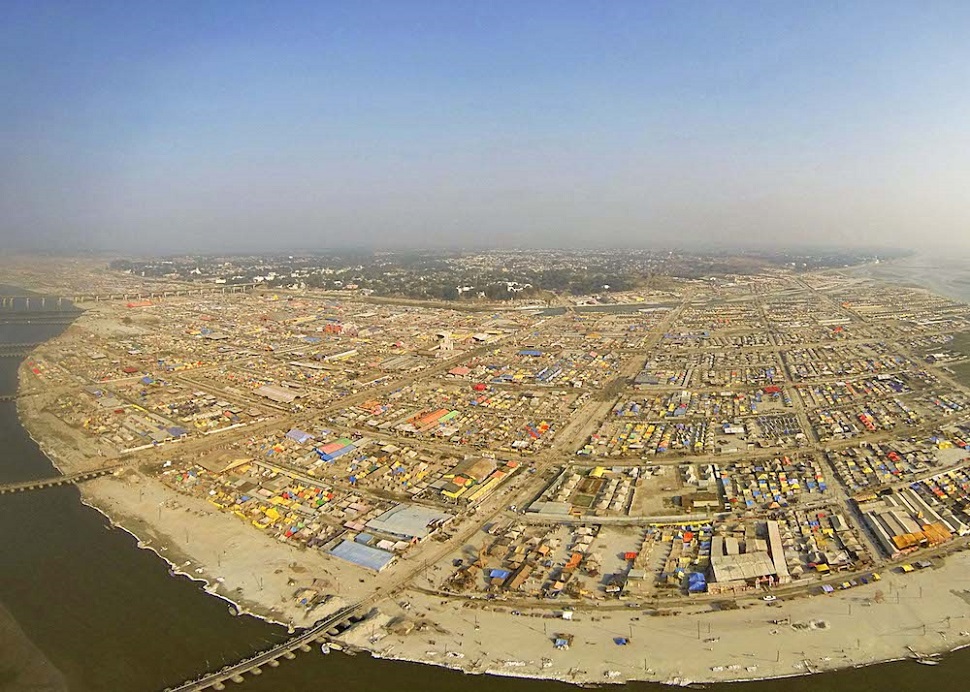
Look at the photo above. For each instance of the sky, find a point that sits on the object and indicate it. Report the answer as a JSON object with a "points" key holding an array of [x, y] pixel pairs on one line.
{"points": [[205, 126]]}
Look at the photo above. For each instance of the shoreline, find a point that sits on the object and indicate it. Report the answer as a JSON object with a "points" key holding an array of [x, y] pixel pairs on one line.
{"points": [[912, 275], [129, 512], [175, 571]]}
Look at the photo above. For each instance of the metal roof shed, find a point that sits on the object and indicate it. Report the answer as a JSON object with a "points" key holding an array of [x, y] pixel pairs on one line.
{"points": [[363, 555], [408, 521]]}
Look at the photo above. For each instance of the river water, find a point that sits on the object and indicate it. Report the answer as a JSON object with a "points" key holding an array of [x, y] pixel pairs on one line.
{"points": [[948, 275], [104, 615]]}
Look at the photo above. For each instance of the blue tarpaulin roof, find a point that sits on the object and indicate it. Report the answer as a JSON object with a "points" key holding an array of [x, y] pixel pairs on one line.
{"points": [[696, 582], [339, 453]]}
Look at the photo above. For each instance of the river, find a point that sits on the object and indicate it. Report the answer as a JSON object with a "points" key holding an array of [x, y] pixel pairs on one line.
{"points": [[96, 613], [947, 275]]}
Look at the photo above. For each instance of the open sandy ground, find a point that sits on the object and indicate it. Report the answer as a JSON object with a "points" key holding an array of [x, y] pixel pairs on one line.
{"points": [[926, 611]]}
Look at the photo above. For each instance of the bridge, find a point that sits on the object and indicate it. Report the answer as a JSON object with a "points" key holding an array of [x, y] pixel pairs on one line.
{"points": [[45, 304], [33, 303], [270, 657], [222, 289], [17, 350], [38, 316], [70, 479]]}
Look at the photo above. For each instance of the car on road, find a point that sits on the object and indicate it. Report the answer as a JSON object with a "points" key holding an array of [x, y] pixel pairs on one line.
{"points": [[769, 598]]}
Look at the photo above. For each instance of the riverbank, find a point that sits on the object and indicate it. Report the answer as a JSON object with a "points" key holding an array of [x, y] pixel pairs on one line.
{"points": [[926, 612], [244, 567], [879, 622], [945, 275]]}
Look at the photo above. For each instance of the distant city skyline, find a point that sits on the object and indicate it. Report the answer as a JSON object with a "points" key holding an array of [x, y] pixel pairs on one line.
{"points": [[253, 126]]}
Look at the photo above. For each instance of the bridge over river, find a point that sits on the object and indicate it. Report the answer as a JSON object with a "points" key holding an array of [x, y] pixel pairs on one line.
{"points": [[41, 483], [38, 316], [270, 657], [17, 350], [63, 304]]}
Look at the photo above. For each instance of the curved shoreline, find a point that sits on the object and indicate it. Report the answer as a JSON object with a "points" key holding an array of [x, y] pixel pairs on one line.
{"points": [[176, 571], [467, 663]]}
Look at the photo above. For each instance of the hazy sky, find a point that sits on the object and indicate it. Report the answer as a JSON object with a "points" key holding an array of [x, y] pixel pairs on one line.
{"points": [[203, 125]]}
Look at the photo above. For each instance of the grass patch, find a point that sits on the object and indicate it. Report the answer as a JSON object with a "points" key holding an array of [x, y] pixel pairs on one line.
{"points": [[961, 373], [960, 343]]}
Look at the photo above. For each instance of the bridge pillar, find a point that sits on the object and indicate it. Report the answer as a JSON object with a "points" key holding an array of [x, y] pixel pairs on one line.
{"points": [[274, 664], [304, 648], [218, 686], [289, 655], [256, 671], [237, 678]]}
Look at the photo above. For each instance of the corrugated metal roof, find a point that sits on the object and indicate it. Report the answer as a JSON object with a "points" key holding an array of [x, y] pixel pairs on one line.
{"points": [[363, 555]]}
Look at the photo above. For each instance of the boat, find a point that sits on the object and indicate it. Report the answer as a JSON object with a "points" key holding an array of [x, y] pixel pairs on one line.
{"points": [[324, 649], [925, 659]]}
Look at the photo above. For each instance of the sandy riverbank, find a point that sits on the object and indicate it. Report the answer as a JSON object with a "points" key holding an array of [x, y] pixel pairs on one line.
{"points": [[927, 611], [244, 566]]}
